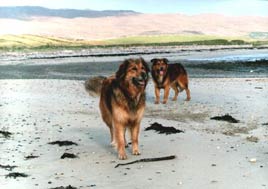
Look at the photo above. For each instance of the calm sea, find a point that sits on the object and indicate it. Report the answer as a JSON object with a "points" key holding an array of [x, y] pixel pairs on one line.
{"points": [[204, 64]]}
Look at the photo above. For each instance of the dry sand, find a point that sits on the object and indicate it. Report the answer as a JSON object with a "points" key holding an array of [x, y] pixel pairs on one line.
{"points": [[210, 154]]}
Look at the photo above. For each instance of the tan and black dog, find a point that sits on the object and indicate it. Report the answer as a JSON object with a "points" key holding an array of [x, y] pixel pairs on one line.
{"points": [[166, 76], [122, 102]]}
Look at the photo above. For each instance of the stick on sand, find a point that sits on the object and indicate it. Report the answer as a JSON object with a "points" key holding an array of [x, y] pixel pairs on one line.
{"points": [[147, 160]]}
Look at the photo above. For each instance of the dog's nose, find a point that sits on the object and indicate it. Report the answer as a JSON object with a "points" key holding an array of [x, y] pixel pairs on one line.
{"points": [[144, 75], [161, 68]]}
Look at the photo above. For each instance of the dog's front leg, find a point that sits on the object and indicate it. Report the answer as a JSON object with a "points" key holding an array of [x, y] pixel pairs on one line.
{"points": [[166, 94], [157, 95], [135, 129], [120, 140]]}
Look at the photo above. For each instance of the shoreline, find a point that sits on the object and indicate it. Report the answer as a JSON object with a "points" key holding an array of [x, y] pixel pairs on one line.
{"points": [[121, 51], [209, 64]]}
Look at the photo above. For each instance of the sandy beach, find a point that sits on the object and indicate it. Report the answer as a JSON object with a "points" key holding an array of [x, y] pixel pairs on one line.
{"points": [[209, 154]]}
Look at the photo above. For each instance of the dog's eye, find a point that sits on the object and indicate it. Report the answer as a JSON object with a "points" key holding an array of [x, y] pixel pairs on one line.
{"points": [[134, 68], [142, 68]]}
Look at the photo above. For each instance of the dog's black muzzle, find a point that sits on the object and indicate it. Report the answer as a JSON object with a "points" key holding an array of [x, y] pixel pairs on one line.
{"points": [[141, 80]]}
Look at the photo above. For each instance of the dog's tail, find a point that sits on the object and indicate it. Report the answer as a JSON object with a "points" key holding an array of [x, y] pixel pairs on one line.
{"points": [[93, 85]]}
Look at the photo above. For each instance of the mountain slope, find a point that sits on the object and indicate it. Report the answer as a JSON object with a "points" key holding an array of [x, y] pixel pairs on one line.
{"points": [[27, 12], [136, 25], [99, 25]]}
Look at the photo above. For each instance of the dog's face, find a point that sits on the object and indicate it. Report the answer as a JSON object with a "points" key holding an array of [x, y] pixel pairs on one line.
{"points": [[134, 72], [159, 66]]}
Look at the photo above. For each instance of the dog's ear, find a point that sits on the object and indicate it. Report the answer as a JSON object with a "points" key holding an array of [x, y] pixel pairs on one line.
{"points": [[154, 60], [121, 72], [165, 60], [147, 69]]}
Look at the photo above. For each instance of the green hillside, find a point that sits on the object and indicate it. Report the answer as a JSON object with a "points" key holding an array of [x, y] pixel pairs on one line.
{"points": [[165, 39], [34, 42], [19, 42]]}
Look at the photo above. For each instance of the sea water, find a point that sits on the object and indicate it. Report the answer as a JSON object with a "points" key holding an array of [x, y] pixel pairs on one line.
{"points": [[204, 64]]}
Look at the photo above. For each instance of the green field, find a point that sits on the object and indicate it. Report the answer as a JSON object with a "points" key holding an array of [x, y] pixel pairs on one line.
{"points": [[167, 39], [20, 42], [33, 42]]}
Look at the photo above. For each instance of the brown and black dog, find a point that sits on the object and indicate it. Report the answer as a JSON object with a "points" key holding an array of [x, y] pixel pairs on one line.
{"points": [[122, 102], [166, 76]]}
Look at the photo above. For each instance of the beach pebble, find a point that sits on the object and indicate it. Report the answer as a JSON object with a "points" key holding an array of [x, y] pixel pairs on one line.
{"points": [[252, 139], [253, 160]]}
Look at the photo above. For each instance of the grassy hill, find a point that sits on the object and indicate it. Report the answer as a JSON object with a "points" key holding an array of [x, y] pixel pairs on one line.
{"points": [[20, 42], [34, 42], [177, 39]]}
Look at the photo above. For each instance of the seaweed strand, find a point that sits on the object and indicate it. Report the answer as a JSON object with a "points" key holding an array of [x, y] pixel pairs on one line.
{"points": [[147, 160]]}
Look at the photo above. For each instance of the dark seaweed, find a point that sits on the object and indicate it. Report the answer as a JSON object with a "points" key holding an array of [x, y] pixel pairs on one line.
{"points": [[162, 129], [259, 66], [147, 160], [63, 143], [265, 123], [6, 134], [99, 55], [226, 117], [67, 187], [15, 175], [68, 155], [31, 157], [8, 167]]}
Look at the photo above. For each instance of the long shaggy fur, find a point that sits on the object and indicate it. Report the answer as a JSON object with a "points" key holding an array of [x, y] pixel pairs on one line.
{"points": [[93, 85], [122, 102]]}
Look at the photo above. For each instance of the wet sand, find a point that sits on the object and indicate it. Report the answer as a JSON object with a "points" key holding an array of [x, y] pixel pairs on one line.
{"points": [[209, 154]]}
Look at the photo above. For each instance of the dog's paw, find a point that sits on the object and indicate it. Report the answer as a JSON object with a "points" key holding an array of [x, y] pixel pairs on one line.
{"points": [[188, 99], [122, 156], [164, 101], [174, 99], [136, 152], [156, 102]]}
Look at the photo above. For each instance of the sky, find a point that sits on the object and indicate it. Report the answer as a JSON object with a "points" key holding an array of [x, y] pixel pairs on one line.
{"points": [[190, 7]]}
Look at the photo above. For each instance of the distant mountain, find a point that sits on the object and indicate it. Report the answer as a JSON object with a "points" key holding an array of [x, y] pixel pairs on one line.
{"points": [[98, 25], [26, 12]]}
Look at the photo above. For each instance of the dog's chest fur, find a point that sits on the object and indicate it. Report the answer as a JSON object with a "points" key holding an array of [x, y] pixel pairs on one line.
{"points": [[128, 111], [130, 105], [160, 81]]}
